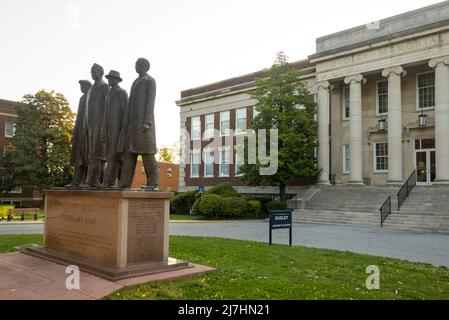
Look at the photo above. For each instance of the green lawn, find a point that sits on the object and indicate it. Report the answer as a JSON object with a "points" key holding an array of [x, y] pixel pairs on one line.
{"points": [[185, 217], [8, 242], [251, 270]]}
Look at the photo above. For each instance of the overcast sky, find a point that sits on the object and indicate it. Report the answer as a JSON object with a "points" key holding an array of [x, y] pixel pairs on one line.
{"points": [[51, 44]]}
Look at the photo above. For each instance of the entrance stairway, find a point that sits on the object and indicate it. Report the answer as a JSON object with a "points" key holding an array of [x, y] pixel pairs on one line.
{"points": [[426, 208], [345, 205]]}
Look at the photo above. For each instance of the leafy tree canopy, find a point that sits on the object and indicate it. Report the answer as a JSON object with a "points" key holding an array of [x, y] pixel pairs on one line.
{"points": [[39, 153], [283, 102]]}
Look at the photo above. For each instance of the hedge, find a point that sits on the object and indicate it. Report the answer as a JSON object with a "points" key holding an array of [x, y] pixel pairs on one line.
{"points": [[196, 207], [276, 205], [181, 203], [211, 205], [254, 208], [234, 207], [223, 189]]}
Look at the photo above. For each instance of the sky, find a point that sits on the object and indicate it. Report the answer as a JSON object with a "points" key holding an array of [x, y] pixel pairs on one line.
{"points": [[51, 44]]}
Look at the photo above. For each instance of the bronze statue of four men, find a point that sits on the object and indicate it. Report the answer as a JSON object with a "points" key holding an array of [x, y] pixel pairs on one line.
{"points": [[112, 130]]}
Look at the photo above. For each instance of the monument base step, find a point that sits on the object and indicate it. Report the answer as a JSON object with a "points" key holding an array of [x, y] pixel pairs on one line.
{"points": [[104, 271]]}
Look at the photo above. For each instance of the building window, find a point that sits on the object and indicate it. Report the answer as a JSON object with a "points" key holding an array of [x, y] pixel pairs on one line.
{"points": [[240, 120], [426, 90], [208, 163], [224, 123], [170, 172], [224, 162], [16, 190], [10, 129], [195, 163], [346, 157], [346, 103], [380, 157], [17, 204], [382, 97], [196, 128], [209, 126], [239, 159]]}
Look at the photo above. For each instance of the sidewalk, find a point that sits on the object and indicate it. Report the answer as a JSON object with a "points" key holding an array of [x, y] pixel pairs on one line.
{"points": [[23, 277]]}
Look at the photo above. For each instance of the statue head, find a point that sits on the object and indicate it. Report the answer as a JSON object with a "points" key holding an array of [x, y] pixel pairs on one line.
{"points": [[97, 72], [142, 66], [85, 85], [113, 78]]}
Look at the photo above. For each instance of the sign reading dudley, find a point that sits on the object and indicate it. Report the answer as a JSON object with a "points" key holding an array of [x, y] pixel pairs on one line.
{"points": [[281, 219]]}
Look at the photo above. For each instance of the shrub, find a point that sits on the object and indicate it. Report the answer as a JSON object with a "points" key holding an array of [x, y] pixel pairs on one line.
{"points": [[234, 207], [263, 204], [276, 205], [223, 189], [196, 207], [181, 203], [254, 208], [211, 205]]}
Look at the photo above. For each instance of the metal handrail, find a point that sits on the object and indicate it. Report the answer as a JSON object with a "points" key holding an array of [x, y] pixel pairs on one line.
{"points": [[409, 184], [385, 210]]}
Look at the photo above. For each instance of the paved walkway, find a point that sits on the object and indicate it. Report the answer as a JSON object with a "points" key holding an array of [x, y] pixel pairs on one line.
{"points": [[23, 277], [408, 245]]}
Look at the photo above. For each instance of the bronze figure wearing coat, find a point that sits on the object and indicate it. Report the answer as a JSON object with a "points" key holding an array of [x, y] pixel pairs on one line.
{"points": [[79, 155], [116, 104], [138, 135], [95, 107], [140, 114]]}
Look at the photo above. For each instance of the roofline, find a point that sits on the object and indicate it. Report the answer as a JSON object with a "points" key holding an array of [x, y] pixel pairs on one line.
{"points": [[242, 79]]}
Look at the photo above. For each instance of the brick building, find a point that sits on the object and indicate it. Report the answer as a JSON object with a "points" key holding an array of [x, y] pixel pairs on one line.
{"points": [[168, 180], [224, 106], [383, 105], [18, 197]]}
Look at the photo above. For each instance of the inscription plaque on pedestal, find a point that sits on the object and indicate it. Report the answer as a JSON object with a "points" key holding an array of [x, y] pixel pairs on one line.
{"points": [[114, 234]]}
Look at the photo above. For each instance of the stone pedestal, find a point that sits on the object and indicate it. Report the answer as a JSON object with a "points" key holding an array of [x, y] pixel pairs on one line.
{"points": [[113, 234]]}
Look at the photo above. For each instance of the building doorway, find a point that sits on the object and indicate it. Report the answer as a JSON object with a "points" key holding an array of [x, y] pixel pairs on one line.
{"points": [[425, 161]]}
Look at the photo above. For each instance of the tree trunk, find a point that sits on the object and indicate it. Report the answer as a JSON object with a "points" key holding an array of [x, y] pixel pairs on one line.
{"points": [[282, 194]]}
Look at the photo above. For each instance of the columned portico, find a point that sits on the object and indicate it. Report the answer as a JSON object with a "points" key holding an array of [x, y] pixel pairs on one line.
{"points": [[355, 128], [323, 130], [441, 66], [394, 123]]}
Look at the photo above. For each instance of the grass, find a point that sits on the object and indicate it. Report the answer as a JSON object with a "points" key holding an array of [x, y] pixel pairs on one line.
{"points": [[251, 270], [185, 217], [8, 242]]}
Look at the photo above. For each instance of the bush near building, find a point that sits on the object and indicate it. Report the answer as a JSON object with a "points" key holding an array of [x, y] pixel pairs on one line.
{"points": [[276, 205], [224, 189], [182, 202], [223, 201]]}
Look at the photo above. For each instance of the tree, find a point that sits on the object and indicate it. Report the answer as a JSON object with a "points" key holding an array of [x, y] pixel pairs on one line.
{"points": [[283, 103], [169, 154], [39, 154]]}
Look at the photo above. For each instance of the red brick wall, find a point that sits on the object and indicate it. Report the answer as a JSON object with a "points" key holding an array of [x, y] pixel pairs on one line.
{"points": [[232, 179], [166, 182]]}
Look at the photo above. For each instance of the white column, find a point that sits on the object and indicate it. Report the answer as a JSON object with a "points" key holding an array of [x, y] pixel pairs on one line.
{"points": [[394, 124], [441, 66], [355, 128], [323, 131]]}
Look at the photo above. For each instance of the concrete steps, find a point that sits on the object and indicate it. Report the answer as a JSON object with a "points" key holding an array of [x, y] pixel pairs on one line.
{"points": [[364, 219], [430, 222], [426, 208]]}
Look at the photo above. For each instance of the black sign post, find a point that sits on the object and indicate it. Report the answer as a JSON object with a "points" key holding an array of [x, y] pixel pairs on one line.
{"points": [[281, 219]]}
